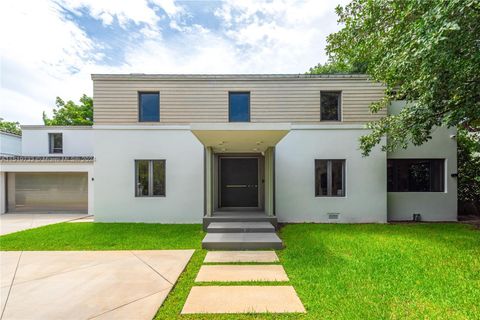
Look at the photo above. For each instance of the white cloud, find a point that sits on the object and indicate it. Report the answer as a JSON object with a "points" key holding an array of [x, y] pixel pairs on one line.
{"points": [[125, 11], [45, 55], [171, 7], [40, 49]]}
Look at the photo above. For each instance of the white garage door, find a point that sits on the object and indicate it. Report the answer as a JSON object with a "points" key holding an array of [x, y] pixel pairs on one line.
{"points": [[47, 192]]}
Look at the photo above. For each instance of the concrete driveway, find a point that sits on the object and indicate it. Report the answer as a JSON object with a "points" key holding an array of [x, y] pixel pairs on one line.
{"points": [[14, 222], [87, 284]]}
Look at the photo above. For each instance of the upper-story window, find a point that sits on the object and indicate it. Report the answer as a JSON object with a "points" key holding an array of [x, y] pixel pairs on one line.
{"points": [[330, 105], [55, 142], [415, 175], [239, 106], [148, 106]]}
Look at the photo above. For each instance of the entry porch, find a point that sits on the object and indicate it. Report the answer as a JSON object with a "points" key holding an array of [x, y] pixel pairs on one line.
{"points": [[239, 168], [240, 184]]}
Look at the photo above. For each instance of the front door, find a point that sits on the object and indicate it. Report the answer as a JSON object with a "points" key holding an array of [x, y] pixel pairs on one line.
{"points": [[239, 182]]}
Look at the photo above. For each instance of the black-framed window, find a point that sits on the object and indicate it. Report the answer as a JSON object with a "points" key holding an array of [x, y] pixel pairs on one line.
{"points": [[55, 142], [415, 175], [149, 178], [239, 106], [329, 178], [330, 105], [148, 106]]}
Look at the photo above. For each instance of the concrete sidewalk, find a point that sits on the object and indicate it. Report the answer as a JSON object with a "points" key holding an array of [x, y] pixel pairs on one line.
{"points": [[87, 284], [14, 222]]}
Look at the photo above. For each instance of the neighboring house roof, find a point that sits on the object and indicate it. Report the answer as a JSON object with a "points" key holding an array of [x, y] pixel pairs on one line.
{"points": [[11, 134], [143, 76], [5, 159]]}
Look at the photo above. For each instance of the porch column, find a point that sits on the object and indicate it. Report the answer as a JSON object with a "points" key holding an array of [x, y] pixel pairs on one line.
{"points": [[269, 181], [208, 181], [3, 193]]}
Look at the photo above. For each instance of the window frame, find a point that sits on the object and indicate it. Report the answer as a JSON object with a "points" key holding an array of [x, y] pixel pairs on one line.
{"points": [[395, 175], [339, 105], [329, 179], [249, 106], [51, 143], [139, 106], [150, 179]]}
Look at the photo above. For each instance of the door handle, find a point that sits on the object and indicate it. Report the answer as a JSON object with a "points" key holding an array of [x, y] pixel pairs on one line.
{"points": [[241, 185]]}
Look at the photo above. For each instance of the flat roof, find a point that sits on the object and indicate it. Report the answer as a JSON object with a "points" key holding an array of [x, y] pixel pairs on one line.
{"points": [[43, 159], [41, 126], [145, 76]]}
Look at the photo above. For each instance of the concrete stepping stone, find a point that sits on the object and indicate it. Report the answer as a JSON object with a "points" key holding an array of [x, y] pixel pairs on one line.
{"points": [[241, 256], [230, 273], [242, 299], [242, 241]]}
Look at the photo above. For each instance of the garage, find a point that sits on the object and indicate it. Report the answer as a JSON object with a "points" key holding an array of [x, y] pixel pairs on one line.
{"points": [[47, 191]]}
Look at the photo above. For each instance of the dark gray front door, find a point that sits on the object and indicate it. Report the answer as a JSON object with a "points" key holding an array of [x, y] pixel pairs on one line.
{"points": [[239, 182]]}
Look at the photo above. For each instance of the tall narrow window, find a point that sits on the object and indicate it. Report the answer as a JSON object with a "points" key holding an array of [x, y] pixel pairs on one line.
{"points": [[329, 178], [148, 106], [239, 106], [415, 175], [149, 178], [55, 142], [330, 104]]}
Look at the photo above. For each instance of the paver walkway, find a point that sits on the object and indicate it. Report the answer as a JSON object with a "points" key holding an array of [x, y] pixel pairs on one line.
{"points": [[14, 222], [241, 256], [246, 298], [87, 284], [233, 273]]}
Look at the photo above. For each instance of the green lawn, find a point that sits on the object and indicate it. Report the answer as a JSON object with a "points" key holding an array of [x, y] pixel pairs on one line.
{"points": [[106, 236], [395, 271]]}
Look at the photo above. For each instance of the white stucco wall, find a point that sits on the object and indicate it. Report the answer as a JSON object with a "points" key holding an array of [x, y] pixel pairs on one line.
{"points": [[115, 154], [433, 206], [10, 144], [77, 141], [366, 197], [46, 167]]}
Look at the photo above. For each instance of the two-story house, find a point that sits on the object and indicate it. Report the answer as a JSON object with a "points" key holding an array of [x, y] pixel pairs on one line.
{"points": [[182, 148]]}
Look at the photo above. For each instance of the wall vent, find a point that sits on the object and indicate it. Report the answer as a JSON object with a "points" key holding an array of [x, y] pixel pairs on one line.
{"points": [[333, 216]]}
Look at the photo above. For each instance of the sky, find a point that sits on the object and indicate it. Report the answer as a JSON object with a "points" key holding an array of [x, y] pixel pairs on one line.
{"points": [[50, 48]]}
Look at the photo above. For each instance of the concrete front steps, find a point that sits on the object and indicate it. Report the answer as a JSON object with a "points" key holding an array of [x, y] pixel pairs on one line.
{"points": [[241, 235]]}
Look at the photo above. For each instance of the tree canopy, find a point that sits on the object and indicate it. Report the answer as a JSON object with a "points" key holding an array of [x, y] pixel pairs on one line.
{"points": [[10, 127], [334, 67], [69, 113], [425, 51]]}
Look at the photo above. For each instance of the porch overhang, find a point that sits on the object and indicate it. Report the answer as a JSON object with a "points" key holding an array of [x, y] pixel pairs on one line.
{"points": [[240, 137]]}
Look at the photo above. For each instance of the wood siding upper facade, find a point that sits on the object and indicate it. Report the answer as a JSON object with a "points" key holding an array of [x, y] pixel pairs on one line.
{"points": [[196, 98]]}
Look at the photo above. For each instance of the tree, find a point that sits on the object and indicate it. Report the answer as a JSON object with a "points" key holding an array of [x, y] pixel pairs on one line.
{"points": [[71, 114], [426, 52], [332, 67], [10, 127]]}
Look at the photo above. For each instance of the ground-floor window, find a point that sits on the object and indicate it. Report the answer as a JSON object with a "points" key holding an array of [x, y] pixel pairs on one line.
{"points": [[415, 175], [329, 178], [149, 178]]}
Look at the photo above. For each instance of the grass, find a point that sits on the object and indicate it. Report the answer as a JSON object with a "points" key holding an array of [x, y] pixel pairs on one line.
{"points": [[395, 271], [106, 236]]}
